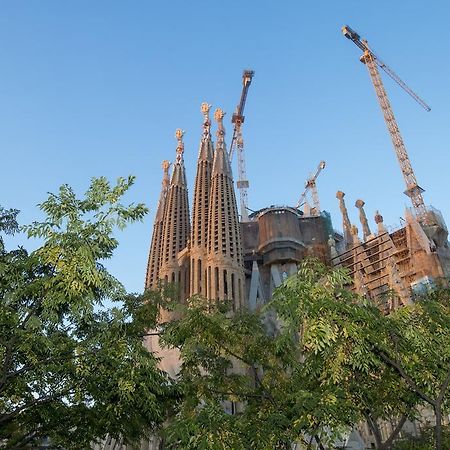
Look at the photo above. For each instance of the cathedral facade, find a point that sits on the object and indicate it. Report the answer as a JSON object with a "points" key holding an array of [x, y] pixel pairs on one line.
{"points": [[214, 254]]}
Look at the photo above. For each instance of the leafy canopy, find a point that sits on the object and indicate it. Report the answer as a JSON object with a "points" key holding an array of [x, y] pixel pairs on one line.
{"points": [[72, 369]]}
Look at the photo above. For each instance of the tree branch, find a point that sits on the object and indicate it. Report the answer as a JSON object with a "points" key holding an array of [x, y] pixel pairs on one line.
{"points": [[4, 418], [393, 435], [444, 387], [396, 365]]}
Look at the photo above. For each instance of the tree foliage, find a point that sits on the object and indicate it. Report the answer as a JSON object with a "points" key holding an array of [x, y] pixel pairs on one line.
{"points": [[307, 367], [72, 369], [313, 363]]}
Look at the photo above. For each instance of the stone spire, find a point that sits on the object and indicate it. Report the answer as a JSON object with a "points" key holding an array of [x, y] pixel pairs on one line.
{"points": [[379, 221], [201, 208], [347, 228], [225, 273], [154, 258], [176, 226], [363, 218]]}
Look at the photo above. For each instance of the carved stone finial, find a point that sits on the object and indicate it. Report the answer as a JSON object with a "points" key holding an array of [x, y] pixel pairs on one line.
{"points": [[378, 217], [205, 107], [179, 133], [218, 116], [165, 165], [340, 195], [363, 218], [379, 221]]}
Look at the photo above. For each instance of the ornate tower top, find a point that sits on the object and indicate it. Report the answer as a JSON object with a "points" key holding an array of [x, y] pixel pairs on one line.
{"points": [[379, 221], [218, 116], [165, 166], [378, 217], [179, 133], [363, 218], [205, 107], [154, 258], [347, 228], [221, 162]]}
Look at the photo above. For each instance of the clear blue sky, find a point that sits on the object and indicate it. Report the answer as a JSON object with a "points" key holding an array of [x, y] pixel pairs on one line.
{"points": [[90, 88]]}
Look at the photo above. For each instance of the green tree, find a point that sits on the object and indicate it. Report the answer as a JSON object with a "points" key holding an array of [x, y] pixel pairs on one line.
{"points": [[416, 344], [337, 334], [72, 369], [306, 368]]}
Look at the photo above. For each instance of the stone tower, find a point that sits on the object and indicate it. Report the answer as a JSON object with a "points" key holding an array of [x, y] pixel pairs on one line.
{"points": [[225, 273], [154, 258], [176, 226], [209, 260], [200, 215]]}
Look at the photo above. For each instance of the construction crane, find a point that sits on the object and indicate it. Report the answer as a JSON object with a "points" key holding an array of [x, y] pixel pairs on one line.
{"points": [[238, 142], [310, 185], [372, 62]]}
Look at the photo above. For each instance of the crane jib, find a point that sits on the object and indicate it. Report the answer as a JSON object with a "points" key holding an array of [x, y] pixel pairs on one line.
{"points": [[372, 62]]}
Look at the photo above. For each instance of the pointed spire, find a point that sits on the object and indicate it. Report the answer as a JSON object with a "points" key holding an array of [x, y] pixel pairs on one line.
{"points": [[225, 273], [363, 218], [179, 175], [205, 107], [200, 215], [348, 239], [164, 186], [176, 224], [221, 162], [379, 222], [154, 258], [355, 237]]}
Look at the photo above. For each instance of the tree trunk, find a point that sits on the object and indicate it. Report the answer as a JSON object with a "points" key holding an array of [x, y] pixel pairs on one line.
{"points": [[319, 443], [386, 445], [438, 427]]}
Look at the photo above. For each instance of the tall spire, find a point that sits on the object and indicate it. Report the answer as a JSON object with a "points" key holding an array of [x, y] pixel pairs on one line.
{"points": [[225, 274], [347, 228], [363, 219], [176, 226], [154, 258], [201, 207]]}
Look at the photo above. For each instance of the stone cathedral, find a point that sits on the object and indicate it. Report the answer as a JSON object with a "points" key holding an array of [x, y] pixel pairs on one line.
{"points": [[215, 255], [220, 257], [203, 257]]}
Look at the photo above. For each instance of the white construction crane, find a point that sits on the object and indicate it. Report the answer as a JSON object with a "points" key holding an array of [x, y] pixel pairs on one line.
{"points": [[372, 62], [310, 185], [237, 140]]}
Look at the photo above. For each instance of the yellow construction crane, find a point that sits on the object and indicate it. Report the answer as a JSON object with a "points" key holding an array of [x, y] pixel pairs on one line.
{"points": [[237, 140], [310, 185], [372, 62]]}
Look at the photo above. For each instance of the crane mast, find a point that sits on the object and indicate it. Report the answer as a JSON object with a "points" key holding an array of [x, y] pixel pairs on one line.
{"points": [[372, 62], [238, 141], [310, 185]]}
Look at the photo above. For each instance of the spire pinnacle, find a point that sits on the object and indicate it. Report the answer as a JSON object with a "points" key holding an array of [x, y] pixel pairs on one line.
{"points": [[363, 218], [347, 228], [165, 166], [218, 116], [379, 222], [179, 133], [205, 107]]}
